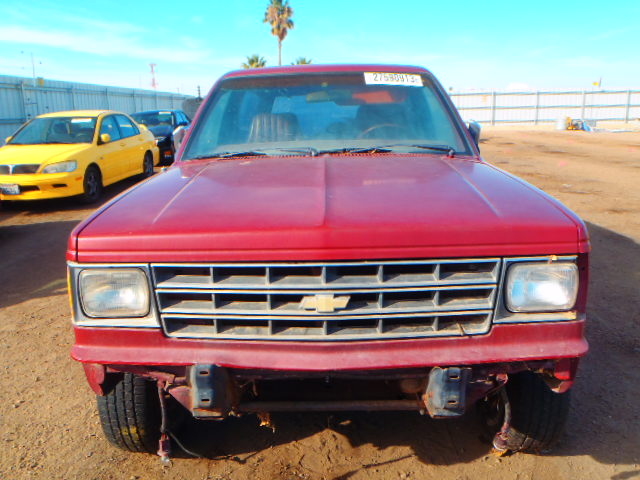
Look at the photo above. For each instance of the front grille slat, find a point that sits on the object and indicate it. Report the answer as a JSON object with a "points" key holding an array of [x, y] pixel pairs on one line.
{"points": [[19, 169], [328, 301]]}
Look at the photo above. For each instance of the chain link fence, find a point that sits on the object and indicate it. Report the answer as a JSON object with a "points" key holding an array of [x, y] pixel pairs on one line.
{"points": [[537, 107]]}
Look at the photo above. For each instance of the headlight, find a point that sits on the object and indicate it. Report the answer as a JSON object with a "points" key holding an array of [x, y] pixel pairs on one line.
{"points": [[114, 292], [541, 287], [60, 167], [160, 139]]}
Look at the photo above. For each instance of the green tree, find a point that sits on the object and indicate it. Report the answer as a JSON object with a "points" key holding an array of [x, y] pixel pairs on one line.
{"points": [[302, 61], [254, 61], [278, 15]]}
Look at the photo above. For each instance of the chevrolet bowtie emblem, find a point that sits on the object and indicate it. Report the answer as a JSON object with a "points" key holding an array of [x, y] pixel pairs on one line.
{"points": [[324, 303]]}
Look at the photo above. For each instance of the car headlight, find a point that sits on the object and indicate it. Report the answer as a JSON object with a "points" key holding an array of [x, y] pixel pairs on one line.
{"points": [[160, 139], [61, 167], [541, 287], [114, 292]]}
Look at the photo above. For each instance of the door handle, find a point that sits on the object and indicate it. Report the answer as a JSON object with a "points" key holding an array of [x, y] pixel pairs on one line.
{"points": [[122, 144]]}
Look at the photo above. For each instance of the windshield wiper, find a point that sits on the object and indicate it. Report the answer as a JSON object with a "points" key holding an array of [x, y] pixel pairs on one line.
{"points": [[254, 153], [381, 149], [312, 152], [248, 153], [450, 151]]}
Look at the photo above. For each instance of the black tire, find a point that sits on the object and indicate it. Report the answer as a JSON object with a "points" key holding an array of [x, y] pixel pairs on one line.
{"points": [[538, 415], [92, 185], [130, 414], [147, 165]]}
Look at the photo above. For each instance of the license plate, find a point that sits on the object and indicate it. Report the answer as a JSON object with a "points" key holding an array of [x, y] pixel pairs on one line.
{"points": [[10, 189]]}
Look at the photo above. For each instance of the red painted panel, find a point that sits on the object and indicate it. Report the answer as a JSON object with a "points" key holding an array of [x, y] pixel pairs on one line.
{"points": [[347, 206], [505, 343], [316, 68]]}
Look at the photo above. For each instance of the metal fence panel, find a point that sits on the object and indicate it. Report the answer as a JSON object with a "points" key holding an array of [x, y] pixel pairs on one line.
{"points": [[24, 98], [535, 107]]}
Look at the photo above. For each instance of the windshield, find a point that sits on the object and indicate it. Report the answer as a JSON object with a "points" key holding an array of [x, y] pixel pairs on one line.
{"points": [[319, 113], [153, 119], [48, 130]]}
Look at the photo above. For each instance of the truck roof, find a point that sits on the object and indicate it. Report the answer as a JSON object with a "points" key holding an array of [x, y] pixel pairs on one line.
{"points": [[313, 68]]}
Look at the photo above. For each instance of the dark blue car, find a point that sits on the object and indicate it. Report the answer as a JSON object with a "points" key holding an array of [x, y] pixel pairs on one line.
{"points": [[163, 124]]}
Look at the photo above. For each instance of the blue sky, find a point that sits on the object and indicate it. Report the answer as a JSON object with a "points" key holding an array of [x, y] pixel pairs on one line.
{"points": [[468, 45]]}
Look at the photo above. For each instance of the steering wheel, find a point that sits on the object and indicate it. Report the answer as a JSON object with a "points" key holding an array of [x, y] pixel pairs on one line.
{"points": [[367, 131]]}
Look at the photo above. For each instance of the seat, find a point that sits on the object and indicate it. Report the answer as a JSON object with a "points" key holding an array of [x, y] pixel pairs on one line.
{"points": [[84, 135], [273, 127], [59, 133]]}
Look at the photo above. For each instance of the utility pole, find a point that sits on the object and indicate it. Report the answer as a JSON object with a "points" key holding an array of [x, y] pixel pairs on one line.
{"points": [[33, 69], [154, 84], [33, 66]]}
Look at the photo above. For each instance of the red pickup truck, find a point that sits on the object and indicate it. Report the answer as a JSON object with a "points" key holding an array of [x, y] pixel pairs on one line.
{"points": [[329, 238]]}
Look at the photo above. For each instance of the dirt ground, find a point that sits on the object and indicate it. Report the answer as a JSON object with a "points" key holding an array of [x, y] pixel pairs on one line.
{"points": [[49, 427]]}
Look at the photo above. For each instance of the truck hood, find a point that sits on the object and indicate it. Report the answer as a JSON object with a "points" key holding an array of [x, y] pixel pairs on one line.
{"points": [[328, 207], [36, 154]]}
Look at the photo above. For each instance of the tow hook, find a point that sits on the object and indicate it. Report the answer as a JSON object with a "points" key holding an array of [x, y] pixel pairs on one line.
{"points": [[446, 392]]}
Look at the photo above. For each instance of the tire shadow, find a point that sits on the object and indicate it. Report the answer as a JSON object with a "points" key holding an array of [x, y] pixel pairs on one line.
{"points": [[434, 442]]}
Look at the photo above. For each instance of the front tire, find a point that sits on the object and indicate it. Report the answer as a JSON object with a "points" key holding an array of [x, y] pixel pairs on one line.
{"points": [[538, 415], [92, 185], [130, 414]]}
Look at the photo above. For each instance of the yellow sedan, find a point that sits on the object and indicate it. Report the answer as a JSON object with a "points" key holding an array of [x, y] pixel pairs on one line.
{"points": [[74, 153]]}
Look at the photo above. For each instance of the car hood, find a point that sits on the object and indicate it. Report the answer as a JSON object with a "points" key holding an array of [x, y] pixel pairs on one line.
{"points": [[37, 154], [347, 206]]}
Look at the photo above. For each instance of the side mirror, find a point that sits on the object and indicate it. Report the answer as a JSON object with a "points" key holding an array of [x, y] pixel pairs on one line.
{"points": [[178, 137], [8, 139], [183, 124], [474, 129], [105, 138]]}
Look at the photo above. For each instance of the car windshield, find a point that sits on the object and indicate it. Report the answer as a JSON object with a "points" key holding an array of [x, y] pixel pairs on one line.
{"points": [[325, 113], [153, 119], [48, 130]]}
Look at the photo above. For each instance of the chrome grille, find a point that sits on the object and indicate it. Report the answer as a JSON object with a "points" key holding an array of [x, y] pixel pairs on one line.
{"points": [[327, 301], [18, 169]]}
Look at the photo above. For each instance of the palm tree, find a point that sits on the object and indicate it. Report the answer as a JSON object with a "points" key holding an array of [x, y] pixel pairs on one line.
{"points": [[278, 15], [302, 61], [254, 61]]}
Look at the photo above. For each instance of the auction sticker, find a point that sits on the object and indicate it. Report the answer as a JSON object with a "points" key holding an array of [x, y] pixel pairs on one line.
{"points": [[386, 78]]}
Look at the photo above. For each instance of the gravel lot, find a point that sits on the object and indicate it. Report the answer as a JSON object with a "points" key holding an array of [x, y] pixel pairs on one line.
{"points": [[49, 427]]}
